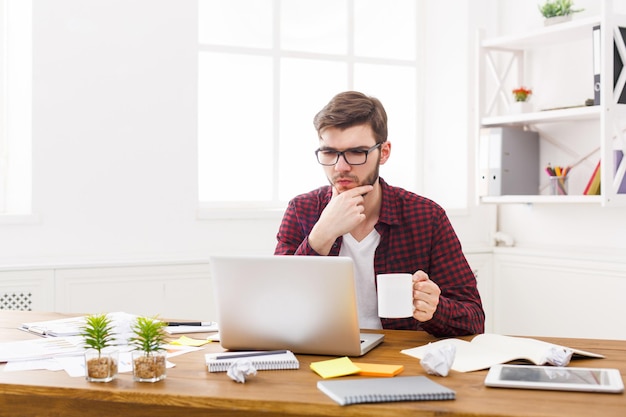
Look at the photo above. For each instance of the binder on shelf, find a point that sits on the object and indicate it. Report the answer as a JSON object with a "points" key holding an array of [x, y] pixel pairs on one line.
{"points": [[618, 63], [596, 64], [261, 360], [508, 162], [378, 390]]}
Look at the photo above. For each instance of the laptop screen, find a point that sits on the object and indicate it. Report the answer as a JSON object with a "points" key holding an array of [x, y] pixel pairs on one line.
{"points": [[306, 304]]}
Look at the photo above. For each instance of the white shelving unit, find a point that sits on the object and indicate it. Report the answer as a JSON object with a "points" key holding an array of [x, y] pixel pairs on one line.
{"points": [[503, 58]]}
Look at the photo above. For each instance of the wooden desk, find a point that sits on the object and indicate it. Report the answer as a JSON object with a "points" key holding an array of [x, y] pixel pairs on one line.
{"points": [[190, 390]]}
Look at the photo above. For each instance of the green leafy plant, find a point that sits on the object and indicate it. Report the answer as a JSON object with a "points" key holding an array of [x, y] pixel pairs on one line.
{"points": [[148, 335], [98, 332], [553, 8]]}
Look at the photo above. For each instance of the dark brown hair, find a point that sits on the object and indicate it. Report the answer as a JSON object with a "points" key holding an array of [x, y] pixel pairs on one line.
{"points": [[352, 108]]}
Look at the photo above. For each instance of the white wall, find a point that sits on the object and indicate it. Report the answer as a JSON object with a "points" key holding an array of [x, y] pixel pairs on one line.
{"points": [[570, 227], [114, 139]]}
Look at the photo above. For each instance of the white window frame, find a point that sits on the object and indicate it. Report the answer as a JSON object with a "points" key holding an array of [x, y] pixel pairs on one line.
{"points": [[275, 208], [16, 111]]}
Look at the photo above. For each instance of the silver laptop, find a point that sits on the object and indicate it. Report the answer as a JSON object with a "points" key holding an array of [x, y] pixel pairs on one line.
{"points": [[306, 304]]}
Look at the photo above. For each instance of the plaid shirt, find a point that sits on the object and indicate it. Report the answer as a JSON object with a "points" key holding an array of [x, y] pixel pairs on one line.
{"points": [[415, 233]]}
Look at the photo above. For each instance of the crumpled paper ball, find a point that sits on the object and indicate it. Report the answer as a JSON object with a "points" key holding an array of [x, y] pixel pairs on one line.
{"points": [[439, 360], [240, 369], [558, 356]]}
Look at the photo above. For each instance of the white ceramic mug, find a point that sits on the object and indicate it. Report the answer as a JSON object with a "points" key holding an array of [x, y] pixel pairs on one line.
{"points": [[395, 295]]}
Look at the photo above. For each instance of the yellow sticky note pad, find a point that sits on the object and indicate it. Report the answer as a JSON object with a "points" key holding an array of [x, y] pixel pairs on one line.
{"points": [[188, 341], [376, 369], [332, 368]]}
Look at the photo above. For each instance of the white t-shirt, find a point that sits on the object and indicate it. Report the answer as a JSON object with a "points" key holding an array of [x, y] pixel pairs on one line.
{"points": [[362, 254]]}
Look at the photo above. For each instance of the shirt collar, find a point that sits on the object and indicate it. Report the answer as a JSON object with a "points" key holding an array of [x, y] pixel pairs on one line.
{"points": [[388, 209]]}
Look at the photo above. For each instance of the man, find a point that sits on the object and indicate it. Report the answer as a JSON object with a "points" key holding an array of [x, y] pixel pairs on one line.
{"points": [[384, 229]]}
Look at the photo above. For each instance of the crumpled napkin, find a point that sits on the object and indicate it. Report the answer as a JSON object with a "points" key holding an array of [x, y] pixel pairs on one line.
{"points": [[240, 369], [558, 356], [438, 360]]}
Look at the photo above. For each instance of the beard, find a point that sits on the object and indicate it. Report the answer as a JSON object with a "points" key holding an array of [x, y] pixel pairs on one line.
{"points": [[370, 179]]}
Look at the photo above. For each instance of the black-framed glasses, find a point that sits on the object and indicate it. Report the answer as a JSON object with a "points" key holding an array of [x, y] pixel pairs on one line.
{"points": [[329, 157]]}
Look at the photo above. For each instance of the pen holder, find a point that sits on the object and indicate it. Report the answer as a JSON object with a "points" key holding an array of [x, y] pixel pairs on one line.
{"points": [[558, 185]]}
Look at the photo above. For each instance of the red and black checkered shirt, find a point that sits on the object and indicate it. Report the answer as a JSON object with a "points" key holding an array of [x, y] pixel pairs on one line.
{"points": [[415, 234]]}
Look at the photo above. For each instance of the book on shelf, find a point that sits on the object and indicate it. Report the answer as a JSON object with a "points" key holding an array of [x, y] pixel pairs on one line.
{"points": [[489, 349], [265, 360], [618, 155], [593, 185], [378, 390]]}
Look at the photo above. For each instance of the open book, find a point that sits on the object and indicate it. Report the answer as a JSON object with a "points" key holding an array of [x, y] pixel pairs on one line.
{"points": [[487, 349]]}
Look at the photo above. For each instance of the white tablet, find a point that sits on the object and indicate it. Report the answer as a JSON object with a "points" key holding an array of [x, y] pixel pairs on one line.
{"points": [[555, 378]]}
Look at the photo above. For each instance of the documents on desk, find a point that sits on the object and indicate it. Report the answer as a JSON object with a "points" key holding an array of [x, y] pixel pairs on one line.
{"points": [[44, 348], [61, 345], [487, 349], [72, 326], [66, 353], [55, 328]]}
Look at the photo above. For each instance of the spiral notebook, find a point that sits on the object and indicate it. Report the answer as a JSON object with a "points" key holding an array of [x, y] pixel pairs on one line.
{"points": [[378, 390], [261, 360]]}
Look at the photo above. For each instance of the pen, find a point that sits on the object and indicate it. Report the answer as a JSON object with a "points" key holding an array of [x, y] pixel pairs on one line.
{"points": [[251, 354], [190, 323]]}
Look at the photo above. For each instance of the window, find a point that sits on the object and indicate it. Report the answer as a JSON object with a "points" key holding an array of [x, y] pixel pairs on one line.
{"points": [[15, 106], [265, 67]]}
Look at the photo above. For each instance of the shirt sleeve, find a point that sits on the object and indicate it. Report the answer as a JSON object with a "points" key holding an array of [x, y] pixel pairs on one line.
{"points": [[460, 310], [427, 241], [292, 237]]}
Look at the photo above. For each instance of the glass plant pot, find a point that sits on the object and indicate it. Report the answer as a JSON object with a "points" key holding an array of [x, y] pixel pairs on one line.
{"points": [[149, 367], [101, 366]]}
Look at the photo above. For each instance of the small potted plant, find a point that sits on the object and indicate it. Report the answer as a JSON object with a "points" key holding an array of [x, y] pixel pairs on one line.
{"points": [[522, 93], [555, 11], [101, 360], [149, 356], [521, 96]]}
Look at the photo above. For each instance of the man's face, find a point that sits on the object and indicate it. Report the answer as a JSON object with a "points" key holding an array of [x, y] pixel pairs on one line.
{"points": [[342, 175]]}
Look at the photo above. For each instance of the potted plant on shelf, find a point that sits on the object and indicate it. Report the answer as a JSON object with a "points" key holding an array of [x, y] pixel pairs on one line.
{"points": [[149, 356], [521, 97], [101, 360], [556, 11]]}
